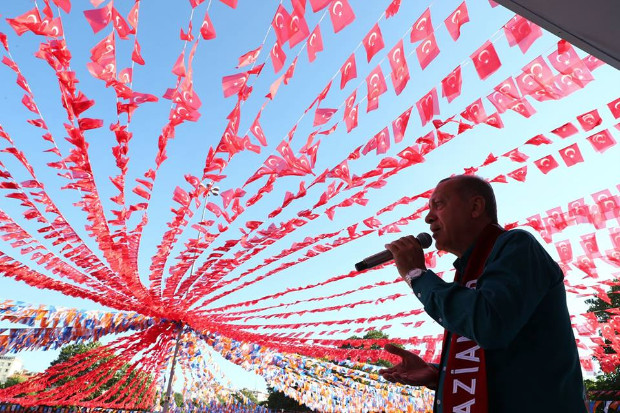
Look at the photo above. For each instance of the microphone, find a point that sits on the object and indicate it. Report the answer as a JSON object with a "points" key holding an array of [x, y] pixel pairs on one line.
{"points": [[423, 238]]}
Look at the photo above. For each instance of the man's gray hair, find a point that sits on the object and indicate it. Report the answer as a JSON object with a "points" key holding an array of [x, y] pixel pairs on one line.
{"points": [[472, 185]]}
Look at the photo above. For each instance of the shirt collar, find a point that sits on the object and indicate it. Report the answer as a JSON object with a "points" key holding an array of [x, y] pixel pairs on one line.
{"points": [[461, 263]]}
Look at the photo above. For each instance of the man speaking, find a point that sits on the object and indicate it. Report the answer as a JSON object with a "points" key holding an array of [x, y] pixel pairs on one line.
{"points": [[508, 342]]}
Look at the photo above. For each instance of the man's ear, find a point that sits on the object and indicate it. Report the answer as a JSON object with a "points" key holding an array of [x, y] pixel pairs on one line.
{"points": [[478, 206]]}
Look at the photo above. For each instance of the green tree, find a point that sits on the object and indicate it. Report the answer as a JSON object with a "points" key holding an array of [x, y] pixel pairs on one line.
{"points": [[13, 380], [71, 350], [178, 399], [248, 394], [605, 381], [280, 401], [371, 335]]}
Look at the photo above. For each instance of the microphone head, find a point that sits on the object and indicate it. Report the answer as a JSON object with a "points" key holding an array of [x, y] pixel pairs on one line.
{"points": [[424, 239]]}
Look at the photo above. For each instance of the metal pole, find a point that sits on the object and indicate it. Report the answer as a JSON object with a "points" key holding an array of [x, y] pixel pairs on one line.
{"points": [[174, 360]]}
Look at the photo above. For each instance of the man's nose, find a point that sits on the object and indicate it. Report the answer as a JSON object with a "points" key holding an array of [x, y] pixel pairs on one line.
{"points": [[429, 218]]}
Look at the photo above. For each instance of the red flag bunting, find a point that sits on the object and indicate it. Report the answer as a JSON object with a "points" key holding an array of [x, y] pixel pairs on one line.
{"points": [[315, 43], [455, 20], [589, 120], [571, 155], [428, 106], [341, 14], [348, 71], [486, 60], [601, 141], [373, 42], [280, 23], [451, 85], [277, 57], [422, 28], [546, 164], [400, 71], [427, 51]]}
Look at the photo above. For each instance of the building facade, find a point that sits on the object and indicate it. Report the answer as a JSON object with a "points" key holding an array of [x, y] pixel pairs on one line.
{"points": [[9, 365]]}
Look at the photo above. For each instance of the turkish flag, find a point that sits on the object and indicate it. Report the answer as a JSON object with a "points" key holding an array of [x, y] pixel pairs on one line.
{"points": [[298, 27], [383, 141], [234, 83], [392, 9], [589, 120], [494, 120], [607, 203], [501, 101], [486, 60], [451, 84], [590, 246], [230, 3], [341, 14], [399, 125], [206, 28], [280, 23], [349, 102], [351, 119], [565, 250], [602, 141], [455, 20], [319, 4], [520, 31], [546, 164], [592, 62], [277, 57], [614, 107], [375, 83], [249, 58], [341, 171], [566, 130], [370, 145], [97, 18], [428, 106], [516, 155], [315, 43], [373, 42], [523, 108], [567, 61], [571, 155], [539, 140], [288, 75], [422, 28], [348, 71], [323, 115], [519, 174], [489, 160], [400, 71], [537, 73], [411, 154], [257, 131], [475, 112], [427, 51]]}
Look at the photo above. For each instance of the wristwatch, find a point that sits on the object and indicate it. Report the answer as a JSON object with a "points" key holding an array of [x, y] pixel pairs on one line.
{"points": [[412, 275]]}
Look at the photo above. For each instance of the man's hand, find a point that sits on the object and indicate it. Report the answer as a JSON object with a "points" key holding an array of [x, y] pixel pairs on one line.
{"points": [[407, 254], [412, 370]]}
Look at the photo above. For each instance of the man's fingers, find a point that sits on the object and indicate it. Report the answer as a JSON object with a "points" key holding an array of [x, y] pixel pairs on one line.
{"points": [[391, 348]]}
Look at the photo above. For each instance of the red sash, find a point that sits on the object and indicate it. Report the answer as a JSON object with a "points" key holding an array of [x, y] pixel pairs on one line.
{"points": [[465, 382]]}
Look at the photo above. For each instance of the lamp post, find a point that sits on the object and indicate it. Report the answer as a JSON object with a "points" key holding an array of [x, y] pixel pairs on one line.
{"points": [[211, 190]]}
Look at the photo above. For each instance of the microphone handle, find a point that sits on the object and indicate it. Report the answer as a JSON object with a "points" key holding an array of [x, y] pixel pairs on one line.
{"points": [[374, 260]]}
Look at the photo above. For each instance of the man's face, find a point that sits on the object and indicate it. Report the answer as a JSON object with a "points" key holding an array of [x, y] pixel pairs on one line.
{"points": [[449, 218]]}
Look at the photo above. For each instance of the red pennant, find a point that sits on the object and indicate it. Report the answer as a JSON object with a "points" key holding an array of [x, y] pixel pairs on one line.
{"points": [[589, 120], [230, 3], [315, 43], [427, 51], [383, 141], [505, 95], [546, 164], [519, 174], [571, 155], [565, 250], [277, 57], [373, 42], [520, 31], [592, 62], [486, 60], [207, 31], [614, 107], [516, 155], [298, 28], [319, 4], [489, 160], [348, 71], [290, 71], [257, 131], [351, 119], [375, 83], [566, 61], [249, 58], [392, 9], [341, 14], [601, 141], [565, 130], [455, 20], [280, 23], [428, 106], [475, 112], [400, 71], [523, 108], [451, 85], [494, 120], [232, 84], [98, 18], [422, 28], [399, 125], [322, 116]]}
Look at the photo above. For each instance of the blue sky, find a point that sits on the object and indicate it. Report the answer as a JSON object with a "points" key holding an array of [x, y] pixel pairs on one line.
{"points": [[243, 29]]}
